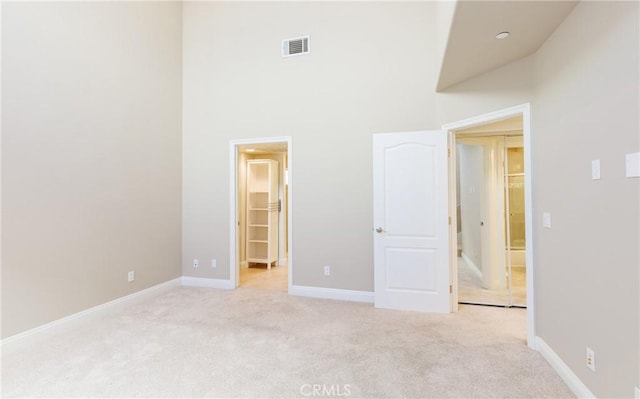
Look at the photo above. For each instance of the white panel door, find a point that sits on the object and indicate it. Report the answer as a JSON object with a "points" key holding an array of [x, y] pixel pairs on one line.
{"points": [[410, 214]]}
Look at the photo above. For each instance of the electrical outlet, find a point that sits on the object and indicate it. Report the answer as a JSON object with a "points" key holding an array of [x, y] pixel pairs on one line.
{"points": [[591, 359], [214, 263], [195, 263], [327, 270], [131, 276]]}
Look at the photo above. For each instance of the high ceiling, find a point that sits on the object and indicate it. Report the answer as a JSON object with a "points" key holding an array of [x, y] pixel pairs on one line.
{"points": [[472, 48]]}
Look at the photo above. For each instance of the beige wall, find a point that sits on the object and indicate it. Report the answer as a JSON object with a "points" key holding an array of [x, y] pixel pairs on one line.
{"points": [[372, 68], [587, 264], [91, 155]]}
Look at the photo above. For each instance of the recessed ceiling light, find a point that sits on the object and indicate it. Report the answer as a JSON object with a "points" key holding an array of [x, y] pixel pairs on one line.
{"points": [[502, 35], [250, 150]]}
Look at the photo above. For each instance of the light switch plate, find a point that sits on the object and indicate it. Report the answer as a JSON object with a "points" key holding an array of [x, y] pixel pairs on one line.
{"points": [[595, 169], [633, 164], [546, 220]]}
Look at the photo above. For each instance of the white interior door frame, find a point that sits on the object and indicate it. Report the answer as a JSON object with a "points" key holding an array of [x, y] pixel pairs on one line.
{"points": [[451, 128], [234, 217], [453, 221]]}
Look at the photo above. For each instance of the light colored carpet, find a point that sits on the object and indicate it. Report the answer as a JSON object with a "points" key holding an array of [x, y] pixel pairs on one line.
{"points": [[199, 342]]}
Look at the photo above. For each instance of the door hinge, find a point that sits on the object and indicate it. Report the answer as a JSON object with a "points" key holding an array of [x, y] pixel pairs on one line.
{"points": [[449, 152], [450, 289], [449, 220]]}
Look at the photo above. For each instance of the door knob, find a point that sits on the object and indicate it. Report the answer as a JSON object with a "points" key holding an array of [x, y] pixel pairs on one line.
{"points": [[379, 229]]}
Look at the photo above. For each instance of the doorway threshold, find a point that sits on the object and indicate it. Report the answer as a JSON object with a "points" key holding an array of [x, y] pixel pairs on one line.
{"points": [[492, 305]]}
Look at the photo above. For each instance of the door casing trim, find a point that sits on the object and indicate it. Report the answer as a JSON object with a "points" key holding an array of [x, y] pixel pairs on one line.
{"points": [[233, 204], [451, 128]]}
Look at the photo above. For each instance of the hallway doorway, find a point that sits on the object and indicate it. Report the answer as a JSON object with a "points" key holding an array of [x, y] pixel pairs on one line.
{"points": [[261, 203], [491, 214], [513, 121]]}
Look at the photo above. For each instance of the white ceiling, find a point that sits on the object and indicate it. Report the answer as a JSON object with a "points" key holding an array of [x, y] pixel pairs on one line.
{"points": [[472, 48]]}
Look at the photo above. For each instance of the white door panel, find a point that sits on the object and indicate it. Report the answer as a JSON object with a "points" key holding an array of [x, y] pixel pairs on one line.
{"points": [[409, 215], [411, 220], [415, 269]]}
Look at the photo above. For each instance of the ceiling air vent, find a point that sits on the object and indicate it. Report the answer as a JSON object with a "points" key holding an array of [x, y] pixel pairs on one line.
{"points": [[297, 46]]}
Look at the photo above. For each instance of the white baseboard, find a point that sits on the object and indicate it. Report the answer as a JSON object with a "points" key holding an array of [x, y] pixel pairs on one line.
{"points": [[568, 376], [332, 293], [207, 282], [472, 265], [48, 329]]}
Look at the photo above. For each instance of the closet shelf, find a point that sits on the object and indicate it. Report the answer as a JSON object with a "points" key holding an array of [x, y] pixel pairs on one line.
{"points": [[262, 211]]}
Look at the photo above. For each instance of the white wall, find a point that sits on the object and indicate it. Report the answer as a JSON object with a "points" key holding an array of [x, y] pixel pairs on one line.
{"points": [[371, 69], [587, 264], [91, 154], [505, 87]]}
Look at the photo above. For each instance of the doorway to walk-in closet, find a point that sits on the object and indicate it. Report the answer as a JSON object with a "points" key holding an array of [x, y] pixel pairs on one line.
{"points": [[490, 210], [263, 213]]}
